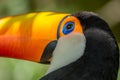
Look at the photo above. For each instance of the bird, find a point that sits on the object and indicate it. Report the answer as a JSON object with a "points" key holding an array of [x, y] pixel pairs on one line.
{"points": [[100, 59], [77, 46]]}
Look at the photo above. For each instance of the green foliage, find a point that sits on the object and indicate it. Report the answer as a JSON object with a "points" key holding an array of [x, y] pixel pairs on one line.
{"points": [[116, 31], [13, 69], [77, 5], [119, 75]]}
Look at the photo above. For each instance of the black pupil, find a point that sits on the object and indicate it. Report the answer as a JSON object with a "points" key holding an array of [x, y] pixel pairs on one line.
{"points": [[69, 26]]}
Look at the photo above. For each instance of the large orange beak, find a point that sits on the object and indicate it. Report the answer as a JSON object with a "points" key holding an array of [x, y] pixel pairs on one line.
{"points": [[32, 36]]}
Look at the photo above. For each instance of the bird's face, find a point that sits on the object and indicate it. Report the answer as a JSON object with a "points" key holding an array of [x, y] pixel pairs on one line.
{"points": [[34, 36]]}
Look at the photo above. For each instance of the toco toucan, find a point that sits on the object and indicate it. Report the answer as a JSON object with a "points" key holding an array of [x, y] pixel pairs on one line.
{"points": [[78, 47]]}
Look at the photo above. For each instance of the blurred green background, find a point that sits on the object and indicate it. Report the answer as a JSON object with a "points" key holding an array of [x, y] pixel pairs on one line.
{"points": [[11, 69]]}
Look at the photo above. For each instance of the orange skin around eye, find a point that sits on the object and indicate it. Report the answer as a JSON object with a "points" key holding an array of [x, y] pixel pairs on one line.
{"points": [[77, 27], [26, 36]]}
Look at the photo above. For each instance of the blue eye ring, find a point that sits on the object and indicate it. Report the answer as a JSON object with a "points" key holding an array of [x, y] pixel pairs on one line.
{"points": [[68, 27]]}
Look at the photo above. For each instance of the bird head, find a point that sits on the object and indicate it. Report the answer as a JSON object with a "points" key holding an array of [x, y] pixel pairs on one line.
{"points": [[58, 38]]}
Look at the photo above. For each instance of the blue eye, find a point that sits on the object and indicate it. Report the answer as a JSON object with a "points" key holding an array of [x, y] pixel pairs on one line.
{"points": [[68, 27]]}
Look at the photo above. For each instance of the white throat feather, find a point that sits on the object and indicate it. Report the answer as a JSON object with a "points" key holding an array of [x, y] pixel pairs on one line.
{"points": [[68, 49]]}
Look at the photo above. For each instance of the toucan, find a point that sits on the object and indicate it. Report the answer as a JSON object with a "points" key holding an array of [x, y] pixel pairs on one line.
{"points": [[77, 47]]}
